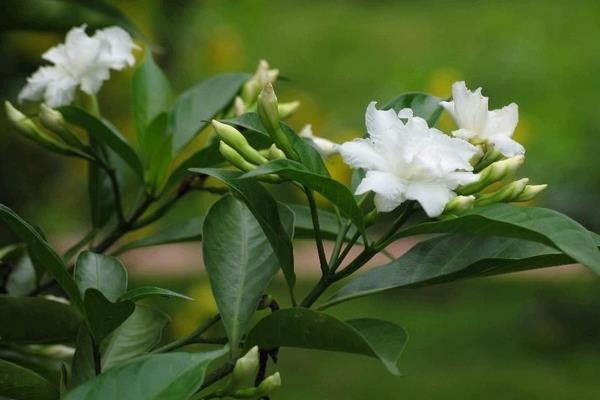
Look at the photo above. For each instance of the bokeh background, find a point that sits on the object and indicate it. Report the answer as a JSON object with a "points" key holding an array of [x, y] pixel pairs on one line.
{"points": [[522, 337]]}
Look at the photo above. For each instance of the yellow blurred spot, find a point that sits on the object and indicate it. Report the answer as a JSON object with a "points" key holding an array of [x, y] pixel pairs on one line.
{"points": [[440, 82], [193, 313], [223, 48]]}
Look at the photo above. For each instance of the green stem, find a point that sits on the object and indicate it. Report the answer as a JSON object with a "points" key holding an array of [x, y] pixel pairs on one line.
{"points": [[339, 240], [318, 239], [192, 338], [347, 249]]}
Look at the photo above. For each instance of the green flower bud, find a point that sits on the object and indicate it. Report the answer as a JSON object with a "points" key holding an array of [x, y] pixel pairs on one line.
{"points": [[506, 194], [54, 121], [236, 140], [239, 107], [286, 110], [261, 77], [493, 173], [231, 155], [244, 371], [274, 153], [269, 384], [530, 192], [269, 116], [459, 204], [30, 130], [488, 158]]}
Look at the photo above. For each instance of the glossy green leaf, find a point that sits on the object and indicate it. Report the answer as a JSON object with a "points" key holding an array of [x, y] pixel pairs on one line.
{"points": [[158, 144], [147, 291], [303, 225], [188, 231], [42, 254], [103, 316], [171, 376], [530, 223], [19, 383], [423, 105], [36, 320], [332, 190], [195, 108], [452, 257], [240, 262], [103, 132], [137, 335], [265, 210], [308, 329], [100, 272], [100, 191], [309, 157], [151, 95]]}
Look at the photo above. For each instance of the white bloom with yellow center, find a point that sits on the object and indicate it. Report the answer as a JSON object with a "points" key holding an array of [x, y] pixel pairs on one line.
{"points": [[407, 160], [475, 122], [81, 61]]}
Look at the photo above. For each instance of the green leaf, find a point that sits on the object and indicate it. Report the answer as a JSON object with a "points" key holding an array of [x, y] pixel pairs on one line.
{"points": [[20, 383], [100, 272], [171, 376], [329, 188], [308, 329], [423, 105], [530, 223], [328, 222], [100, 191], [265, 210], [151, 95], [103, 132], [195, 108], [36, 320], [188, 231], [309, 157], [448, 258], [157, 153], [103, 316], [240, 262], [137, 335], [42, 254], [147, 291]]}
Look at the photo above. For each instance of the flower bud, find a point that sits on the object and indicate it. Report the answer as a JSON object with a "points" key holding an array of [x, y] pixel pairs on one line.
{"points": [[244, 371], [269, 116], [493, 173], [286, 110], [269, 384], [325, 147], [530, 192], [490, 156], [459, 204], [236, 140], [54, 121], [239, 107], [506, 194], [30, 130], [274, 153], [261, 77], [231, 155]]}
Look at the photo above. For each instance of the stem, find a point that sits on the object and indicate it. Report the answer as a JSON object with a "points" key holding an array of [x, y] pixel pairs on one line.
{"points": [[97, 358], [339, 240], [114, 183], [192, 338], [318, 239], [218, 374], [316, 291], [347, 249]]}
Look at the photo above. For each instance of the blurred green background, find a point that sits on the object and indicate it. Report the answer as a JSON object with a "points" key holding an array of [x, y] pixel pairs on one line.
{"points": [[494, 338]]}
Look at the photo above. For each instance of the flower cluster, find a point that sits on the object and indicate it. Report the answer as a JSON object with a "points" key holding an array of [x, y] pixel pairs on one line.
{"points": [[81, 61], [405, 159]]}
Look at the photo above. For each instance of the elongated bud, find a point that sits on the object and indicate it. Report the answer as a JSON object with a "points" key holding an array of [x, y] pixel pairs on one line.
{"points": [[274, 153], [236, 140], [286, 110], [493, 173], [261, 77], [30, 129], [269, 116], [245, 369], [269, 384], [231, 155], [239, 107], [530, 192], [54, 121], [506, 194], [459, 205]]}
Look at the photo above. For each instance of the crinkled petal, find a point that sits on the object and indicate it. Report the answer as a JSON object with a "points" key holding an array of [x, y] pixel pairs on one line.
{"points": [[469, 109], [503, 121], [92, 81], [385, 204], [432, 196], [389, 189], [60, 92], [381, 125], [361, 153], [507, 146], [117, 47]]}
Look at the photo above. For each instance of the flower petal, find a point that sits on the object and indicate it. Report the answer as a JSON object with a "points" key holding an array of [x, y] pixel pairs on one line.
{"points": [[469, 109], [432, 196], [388, 188], [381, 124], [361, 153], [507, 146]]}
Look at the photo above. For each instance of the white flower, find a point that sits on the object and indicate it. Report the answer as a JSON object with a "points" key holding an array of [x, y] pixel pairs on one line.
{"points": [[409, 161], [83, 61], [324, 146], [475, 121]]}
